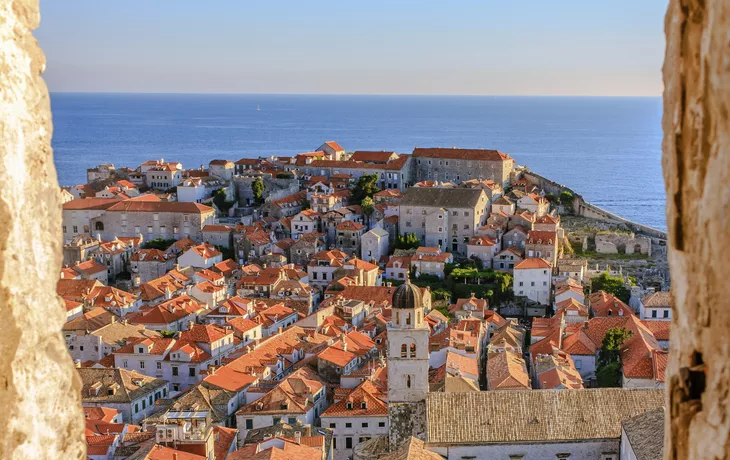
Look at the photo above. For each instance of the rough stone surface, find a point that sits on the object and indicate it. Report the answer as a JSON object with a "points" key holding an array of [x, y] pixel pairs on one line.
{"points": [[41, 413], [697, 173], [406, 419]]}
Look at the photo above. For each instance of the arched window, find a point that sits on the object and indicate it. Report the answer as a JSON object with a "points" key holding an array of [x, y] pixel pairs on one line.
{"points": [[408, 319], [412, 351], [99, 226], [404, 351], [408, 381]]}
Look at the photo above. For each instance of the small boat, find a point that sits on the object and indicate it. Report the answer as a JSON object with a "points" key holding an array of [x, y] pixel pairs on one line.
{"points": [[258, 108]]}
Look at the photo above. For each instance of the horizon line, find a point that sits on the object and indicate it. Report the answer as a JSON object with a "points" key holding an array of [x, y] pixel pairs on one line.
{"points": [[355, 94]]}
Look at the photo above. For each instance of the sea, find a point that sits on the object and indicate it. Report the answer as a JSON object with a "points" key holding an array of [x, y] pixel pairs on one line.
{"points": [[608, 149]]}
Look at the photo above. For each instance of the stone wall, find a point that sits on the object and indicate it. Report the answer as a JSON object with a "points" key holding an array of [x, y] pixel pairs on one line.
{"points": [[613, 243], [41, 413], [406, 420], [696, 165]]}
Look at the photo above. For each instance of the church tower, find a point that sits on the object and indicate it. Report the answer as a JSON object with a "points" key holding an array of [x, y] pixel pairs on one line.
{"points": [[407, 365]]}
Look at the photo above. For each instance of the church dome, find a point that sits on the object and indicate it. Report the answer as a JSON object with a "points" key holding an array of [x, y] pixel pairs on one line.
{"points": [[407, 296]]}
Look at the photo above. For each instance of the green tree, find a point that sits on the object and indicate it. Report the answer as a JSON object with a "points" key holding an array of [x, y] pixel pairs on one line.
{"points": [[368, 208], [566, 198], [158, 243], [608, 365], [219, 199], [257, 186], [366, 186], [284, 175], [167, 334], [407, 241], [612, 285]]}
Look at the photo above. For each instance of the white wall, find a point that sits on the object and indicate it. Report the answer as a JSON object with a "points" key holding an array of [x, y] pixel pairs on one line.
{"points": [[536, 284]]}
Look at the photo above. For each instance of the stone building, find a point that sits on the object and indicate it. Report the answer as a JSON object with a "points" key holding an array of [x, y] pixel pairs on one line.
{"points": [[77, 215], [374, 244], [443, 217], [394, 171], [349, 234], [407, 357], [149, 264], [153, 219], [614, 243], [444, 164]]}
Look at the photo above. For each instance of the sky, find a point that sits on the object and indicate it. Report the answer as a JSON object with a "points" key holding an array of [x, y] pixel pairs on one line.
{"points": [[479, 47]]}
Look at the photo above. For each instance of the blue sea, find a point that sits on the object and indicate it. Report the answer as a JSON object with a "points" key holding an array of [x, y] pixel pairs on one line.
{"points": [[607, 149]]}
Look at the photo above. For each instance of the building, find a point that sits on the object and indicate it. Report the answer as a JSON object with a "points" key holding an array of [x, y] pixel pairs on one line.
{"points": [[78, 214], [374, 245], [452, 164], [656, 306], [408, 363], [507, 258], [393, 172], [357, 417], [129, 392], [430, 261], [443, 217], [539, 424], [149, 264], [200, 256], [298, 397], [349, 234], [642, 436], [152, 220], [533, 279]]}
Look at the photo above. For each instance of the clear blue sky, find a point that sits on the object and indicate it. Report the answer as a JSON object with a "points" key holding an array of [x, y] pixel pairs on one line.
{"points": [[520, 47]]}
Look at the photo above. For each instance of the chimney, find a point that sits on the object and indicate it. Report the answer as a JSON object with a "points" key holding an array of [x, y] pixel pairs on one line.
{"points": [[77, 363], [298, 437], [585, 325], [191, 324]]}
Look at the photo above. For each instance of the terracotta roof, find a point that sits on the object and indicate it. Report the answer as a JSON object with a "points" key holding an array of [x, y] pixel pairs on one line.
{"points": [[217, 228], [206, 251], [658, 299], [604, 304], [334, 146], [366, 394], [537, 237], [159, 206], [534, 415], [371, 156], [149, 255], [660, 329], [205, 333], [159, 452], [90, 204], [507, 371], [461, 154], [349, 225], [90, 267], [533, 263]]}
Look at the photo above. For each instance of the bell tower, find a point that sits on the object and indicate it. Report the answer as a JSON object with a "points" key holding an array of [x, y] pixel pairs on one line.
{"points": [[407, 360]]}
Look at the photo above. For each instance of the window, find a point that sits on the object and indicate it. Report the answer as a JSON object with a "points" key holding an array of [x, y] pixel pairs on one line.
{"points": [[404, 351], [333, 425], [578, 364], [159, 365], [364, 424], [653, 313], [277, 420], [141, 364], [292, 420], [175, 387], [124, 363], [81, 347], [64, 229], [408, 223], [348, 443], [381, 424], [174, 370], [408, 381], [144, 404], [521, 283], [532, 283], [412, 351], [666, 313], [249, 423], [136, 407], [456, 213], [334, 442], [348, 425], [76, 229], [466, 213]]}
